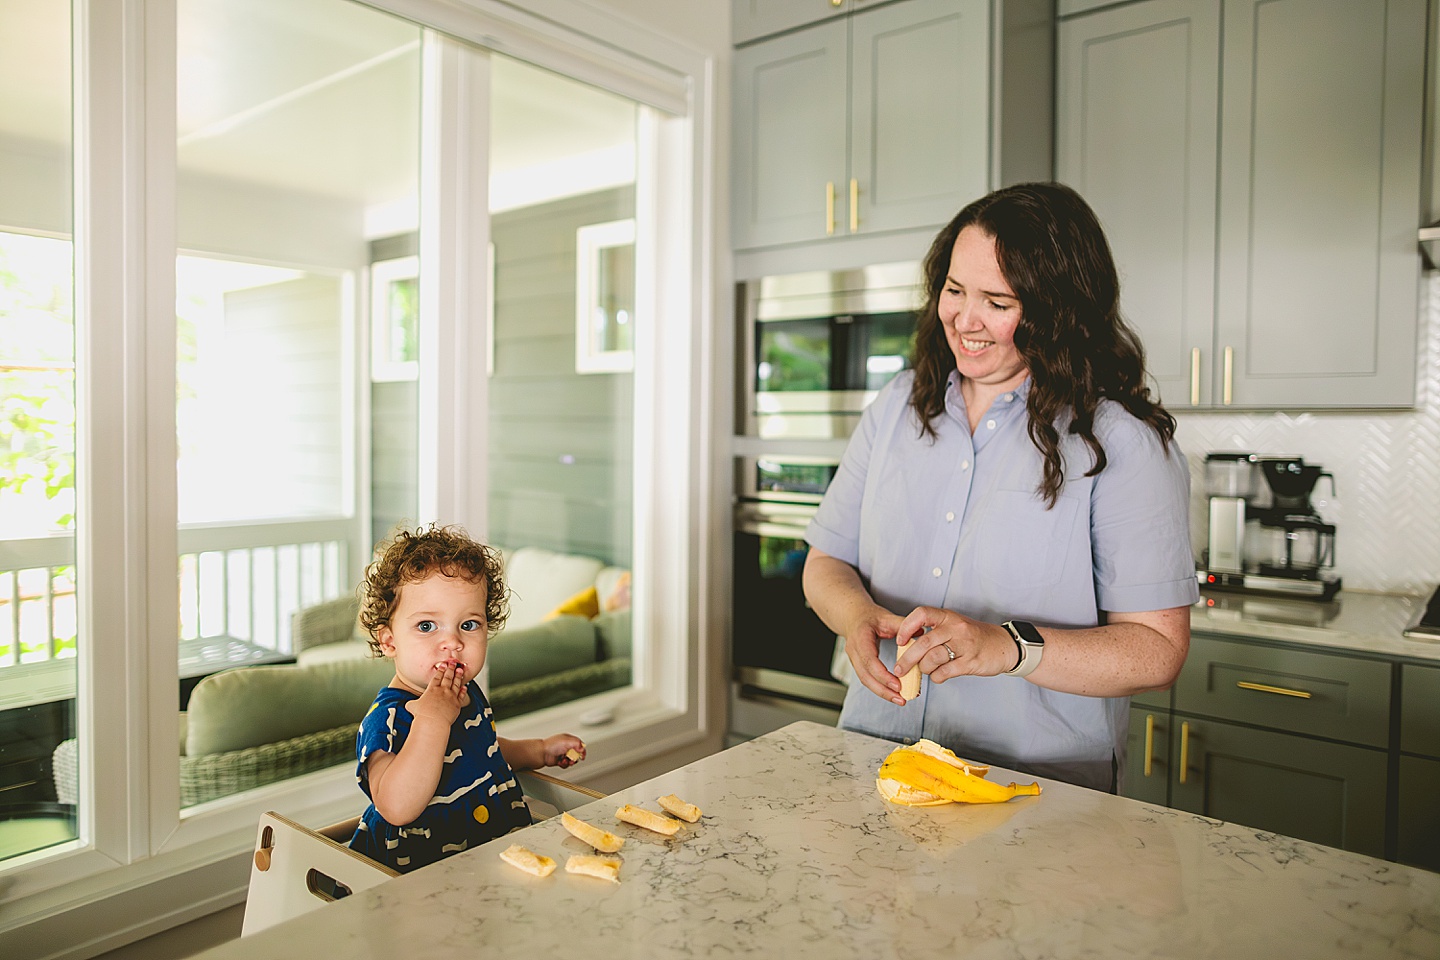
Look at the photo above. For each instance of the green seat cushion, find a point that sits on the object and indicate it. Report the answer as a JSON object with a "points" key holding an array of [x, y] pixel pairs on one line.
{"points": [[249, 706], [545, 648], [614, 630]]}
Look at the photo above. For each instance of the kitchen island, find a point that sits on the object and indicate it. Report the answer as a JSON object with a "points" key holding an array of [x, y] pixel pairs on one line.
{"points": [[797, 856]]}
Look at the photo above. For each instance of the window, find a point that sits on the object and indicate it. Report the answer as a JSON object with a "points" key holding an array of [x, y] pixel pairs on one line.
{"points": [[230, 439]]}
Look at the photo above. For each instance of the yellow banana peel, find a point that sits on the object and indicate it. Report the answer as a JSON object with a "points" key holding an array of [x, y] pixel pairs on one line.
{"points": [[927, 774]]}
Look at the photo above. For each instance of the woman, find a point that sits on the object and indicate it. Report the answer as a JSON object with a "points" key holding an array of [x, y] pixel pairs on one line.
{"points": [[1012, 514]]}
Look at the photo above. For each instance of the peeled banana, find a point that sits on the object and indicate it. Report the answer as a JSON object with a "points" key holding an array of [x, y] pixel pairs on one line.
{"points": [[926, 774], [602, 840]]}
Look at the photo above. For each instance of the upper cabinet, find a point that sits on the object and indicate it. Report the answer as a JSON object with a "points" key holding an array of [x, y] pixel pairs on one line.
{"points": [[1257, 167], [881, 120], [753, 19]]}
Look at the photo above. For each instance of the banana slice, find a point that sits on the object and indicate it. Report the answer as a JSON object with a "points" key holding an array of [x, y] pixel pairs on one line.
{"points": [[531, 863], [590, 865], [648, 819], [910, 684], [602, 840], [574, 754], [674, 806]]}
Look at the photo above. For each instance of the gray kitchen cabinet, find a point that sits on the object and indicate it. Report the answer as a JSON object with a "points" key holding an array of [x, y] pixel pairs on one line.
{"points": [[1418, 827], [1317, 790], [754, 19], [1282, 739], [1147, 769], [873, 122], [1267, 152]]}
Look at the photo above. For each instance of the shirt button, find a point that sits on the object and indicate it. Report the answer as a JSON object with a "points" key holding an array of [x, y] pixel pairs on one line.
{"points": [[950, 516], [989, 424], [1009, 398], [936, 572], [964, 464]]}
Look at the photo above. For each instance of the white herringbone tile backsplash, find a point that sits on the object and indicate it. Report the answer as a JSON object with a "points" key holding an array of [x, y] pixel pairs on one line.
{"points": [[1386, 466]]}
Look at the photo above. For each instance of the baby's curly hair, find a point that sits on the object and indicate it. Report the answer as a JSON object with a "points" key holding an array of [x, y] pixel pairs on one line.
{"points": [[409, 557]]}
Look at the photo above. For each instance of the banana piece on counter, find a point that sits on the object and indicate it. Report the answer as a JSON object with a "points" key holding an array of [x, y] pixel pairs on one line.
{"points": [[591, 865], [602, 840], [648, 819], [910, 683], [923, 771], [531, 863], [676, 807]]}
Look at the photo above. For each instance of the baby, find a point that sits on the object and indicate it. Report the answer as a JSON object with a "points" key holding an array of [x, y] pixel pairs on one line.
{"points": [[439, 778]]}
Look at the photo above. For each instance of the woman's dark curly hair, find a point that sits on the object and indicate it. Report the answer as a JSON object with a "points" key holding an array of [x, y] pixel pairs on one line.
{"points": [[1053, 253], [411, 557]]}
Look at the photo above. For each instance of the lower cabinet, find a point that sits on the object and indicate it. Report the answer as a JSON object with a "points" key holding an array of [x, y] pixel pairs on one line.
{"points": [[1419, 824], [1328, 793]]}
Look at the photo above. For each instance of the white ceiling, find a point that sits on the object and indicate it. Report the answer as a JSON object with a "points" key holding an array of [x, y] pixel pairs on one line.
{"points": [[315, 96]]}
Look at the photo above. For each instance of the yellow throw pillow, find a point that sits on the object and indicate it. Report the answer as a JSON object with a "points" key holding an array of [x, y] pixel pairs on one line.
{"points": [[585, 604]]}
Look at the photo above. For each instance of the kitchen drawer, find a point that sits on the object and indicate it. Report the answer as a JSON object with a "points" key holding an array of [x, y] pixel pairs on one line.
{"points": [[1316, 694], [1420, 710]]}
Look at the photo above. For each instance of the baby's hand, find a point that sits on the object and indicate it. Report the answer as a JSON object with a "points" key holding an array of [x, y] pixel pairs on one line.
{"points": [[558, 749], [444, 696]]}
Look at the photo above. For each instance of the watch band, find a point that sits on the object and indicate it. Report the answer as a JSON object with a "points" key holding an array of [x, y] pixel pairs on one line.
{"points": [[1030, 644]]}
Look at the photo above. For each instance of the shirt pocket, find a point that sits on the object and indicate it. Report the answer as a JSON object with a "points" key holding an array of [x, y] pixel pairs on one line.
{"points": [[1021, 543]]}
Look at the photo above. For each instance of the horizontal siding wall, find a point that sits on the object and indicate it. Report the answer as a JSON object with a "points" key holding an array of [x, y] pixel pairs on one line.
{"points": [[560, 442]]}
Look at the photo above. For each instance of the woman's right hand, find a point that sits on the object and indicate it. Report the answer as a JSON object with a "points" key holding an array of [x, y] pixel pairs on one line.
{"points": [[862, 646]]}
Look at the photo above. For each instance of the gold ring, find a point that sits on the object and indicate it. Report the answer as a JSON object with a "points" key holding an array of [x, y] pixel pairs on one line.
{"points": [[946, 645]]}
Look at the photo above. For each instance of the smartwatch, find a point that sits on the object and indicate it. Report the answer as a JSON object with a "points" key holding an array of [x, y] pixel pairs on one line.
{"points": [[1030, 644]]}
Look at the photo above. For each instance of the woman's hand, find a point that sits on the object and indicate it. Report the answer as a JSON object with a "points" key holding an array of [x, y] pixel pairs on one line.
{"points": [[862, 646], [948, 644]]}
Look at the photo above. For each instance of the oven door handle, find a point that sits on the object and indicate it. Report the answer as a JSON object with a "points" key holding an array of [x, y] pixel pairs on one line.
{"points": [[770, 528]]}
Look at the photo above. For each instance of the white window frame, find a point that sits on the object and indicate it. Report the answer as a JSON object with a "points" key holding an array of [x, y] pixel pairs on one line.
{"points": [[133, 834], [591, 242]]}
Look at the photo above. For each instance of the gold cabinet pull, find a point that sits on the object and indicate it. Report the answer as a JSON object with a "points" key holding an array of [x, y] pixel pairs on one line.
{"points": [[854, 204], [829, 208], [836, 3], [1149, 742], [1266, 688], [1227, 393], [1184, 750], [1195, 376]]}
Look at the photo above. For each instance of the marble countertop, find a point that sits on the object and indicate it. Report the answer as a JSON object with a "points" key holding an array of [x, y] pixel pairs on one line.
{"points": [[1369, 623], [798, 857]]}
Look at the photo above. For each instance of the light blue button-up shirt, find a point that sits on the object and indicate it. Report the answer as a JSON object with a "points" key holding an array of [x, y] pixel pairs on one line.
{"points": [[955, 522]]}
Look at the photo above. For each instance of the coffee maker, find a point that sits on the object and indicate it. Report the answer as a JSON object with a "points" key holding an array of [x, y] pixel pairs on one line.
{"points": [[1267, 539]]}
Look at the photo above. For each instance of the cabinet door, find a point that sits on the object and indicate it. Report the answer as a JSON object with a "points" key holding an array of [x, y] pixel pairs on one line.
{"points": [[1136, 112], [1420, 709], [790, 135], [1147, 758], [1319, 193], [1419, 833], [1328, 793], [920, 113]]}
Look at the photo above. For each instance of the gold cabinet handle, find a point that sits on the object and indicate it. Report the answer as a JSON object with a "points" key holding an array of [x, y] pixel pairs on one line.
{"points": [[1195, 377], [854, 204], [1227, 393], [1184, 750], [1266, 688], [836, 3], [829, 208], [1149, 742]]}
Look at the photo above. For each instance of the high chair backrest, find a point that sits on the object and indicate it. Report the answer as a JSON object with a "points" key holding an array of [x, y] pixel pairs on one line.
{"points": [[296, 869]]}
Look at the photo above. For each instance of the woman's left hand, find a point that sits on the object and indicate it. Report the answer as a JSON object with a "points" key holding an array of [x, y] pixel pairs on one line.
{"points": [[948, 644]]}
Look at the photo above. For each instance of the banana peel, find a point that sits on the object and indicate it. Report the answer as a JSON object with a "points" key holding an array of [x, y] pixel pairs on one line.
{"points": [[926, 774]]}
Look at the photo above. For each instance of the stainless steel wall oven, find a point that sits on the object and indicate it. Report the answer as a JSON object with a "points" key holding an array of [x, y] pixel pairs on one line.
{"points": [[781, 652]]}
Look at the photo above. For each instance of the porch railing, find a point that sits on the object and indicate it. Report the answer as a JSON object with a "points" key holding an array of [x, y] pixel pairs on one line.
{"points": [[236, 580]]}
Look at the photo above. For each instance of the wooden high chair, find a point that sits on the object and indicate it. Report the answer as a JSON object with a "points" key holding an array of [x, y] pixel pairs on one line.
{"points": [[296, 869]]}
